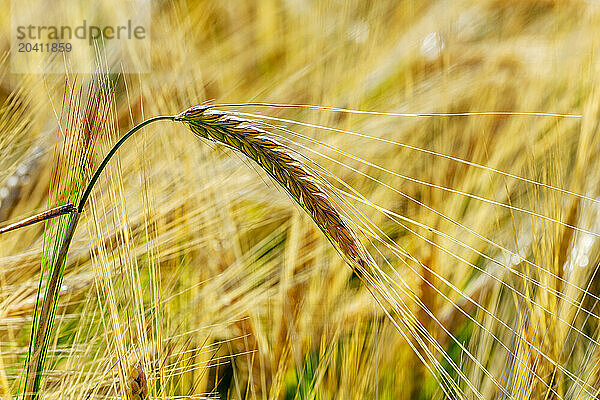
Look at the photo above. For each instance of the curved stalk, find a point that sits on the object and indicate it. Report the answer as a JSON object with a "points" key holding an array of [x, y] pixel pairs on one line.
{"points": [[112, 152]]}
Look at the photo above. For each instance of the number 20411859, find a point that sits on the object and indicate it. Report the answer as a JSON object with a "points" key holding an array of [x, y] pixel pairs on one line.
{"points": [[56, 47]]}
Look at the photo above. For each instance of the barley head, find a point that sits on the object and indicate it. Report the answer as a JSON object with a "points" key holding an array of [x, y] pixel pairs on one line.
{"points": [[280, 162]]}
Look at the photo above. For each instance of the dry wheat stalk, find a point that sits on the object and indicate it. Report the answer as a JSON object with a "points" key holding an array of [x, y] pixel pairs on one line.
{"points": [[286, 169]]}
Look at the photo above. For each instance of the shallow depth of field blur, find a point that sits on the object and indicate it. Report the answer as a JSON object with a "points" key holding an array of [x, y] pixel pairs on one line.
{"points": [[191, 261]]}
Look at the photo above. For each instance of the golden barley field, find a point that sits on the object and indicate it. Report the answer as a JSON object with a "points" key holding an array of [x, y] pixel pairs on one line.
{"points": [[343, 200]]}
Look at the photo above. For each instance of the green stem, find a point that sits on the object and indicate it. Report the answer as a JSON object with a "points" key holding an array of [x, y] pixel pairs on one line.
{"points": [[36, 363], [46, 321], [112, 151]]}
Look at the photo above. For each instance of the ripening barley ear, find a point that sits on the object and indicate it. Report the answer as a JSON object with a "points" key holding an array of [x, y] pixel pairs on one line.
{"points": [[137, 384], [280, 162]]}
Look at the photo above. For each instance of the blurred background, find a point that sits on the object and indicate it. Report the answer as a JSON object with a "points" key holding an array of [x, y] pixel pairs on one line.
{"points": [[193, 263]]}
